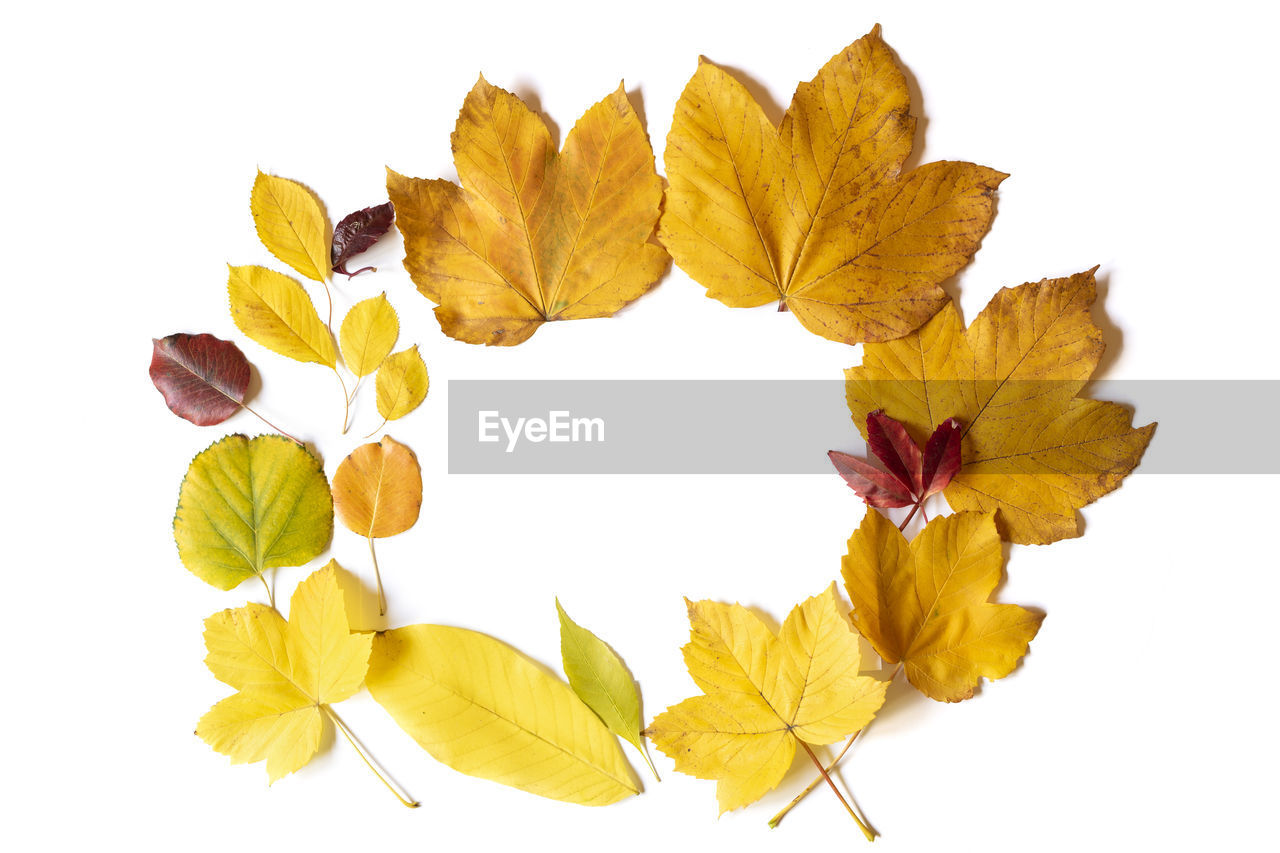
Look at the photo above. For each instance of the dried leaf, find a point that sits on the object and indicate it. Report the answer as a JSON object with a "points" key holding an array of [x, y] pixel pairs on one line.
{"points": [[356, 233], [912, 476], [377, 490], [924, 604], [1031, 449], [764, 693], [202, 378], [291, 224], [250, 505], [368, 333], [816, 213], [285, 672], [482, 708], [602, 680], [275, 311], [401, 384], [532, 236]]}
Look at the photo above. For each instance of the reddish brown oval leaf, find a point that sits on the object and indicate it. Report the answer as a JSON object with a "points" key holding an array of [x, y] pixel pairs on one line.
{"points": [[357, 232], [941, 457], [874, 486], [202, 378]]}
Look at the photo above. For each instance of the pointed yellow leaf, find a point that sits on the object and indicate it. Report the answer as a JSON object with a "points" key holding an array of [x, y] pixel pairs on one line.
{"points": [[285, 673], [275, 311], [816, 213], [1031, 450], [401, 384], [377, 490], [482, 708], [247, 505], [763, 693], [602, 680], [925, 604], [368, 333], [291, 224], [532, 236]]}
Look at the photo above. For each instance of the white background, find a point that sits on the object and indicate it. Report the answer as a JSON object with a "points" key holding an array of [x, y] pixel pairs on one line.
{"points": [[1138, 137]]}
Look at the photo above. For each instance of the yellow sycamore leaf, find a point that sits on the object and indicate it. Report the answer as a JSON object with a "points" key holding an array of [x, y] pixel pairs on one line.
{"points": [[291, 224], [247, 505], [377, 492], [764, 694], [482, 708], [816, 213], [532, 236], [602, 680], [286, 674], [275, 311], [1031, 450], [401, 384], [368, 333], [924, 604]]}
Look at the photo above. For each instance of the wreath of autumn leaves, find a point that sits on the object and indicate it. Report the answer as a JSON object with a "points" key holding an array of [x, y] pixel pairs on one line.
{"points": [[815, 214]]}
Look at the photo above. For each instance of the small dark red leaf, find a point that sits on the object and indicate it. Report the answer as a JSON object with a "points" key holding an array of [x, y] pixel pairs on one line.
{"points": [[202, 378], [895, 449], [872, 485], [941, 457], [357, 232]]}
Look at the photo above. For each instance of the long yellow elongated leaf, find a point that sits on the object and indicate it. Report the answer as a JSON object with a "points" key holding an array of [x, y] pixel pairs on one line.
{"points": [[1032, 451], [291, 224], [532, 236], [247, 505], [368, 333], [482, 708], [816, 213], [763, 693], [275, 311], [401, 384], [925, 604], [602, 680], [377, 489], [285, 673]]}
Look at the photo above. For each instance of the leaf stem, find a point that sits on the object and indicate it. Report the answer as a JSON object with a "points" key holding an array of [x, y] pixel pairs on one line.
{"points": [[378, 427], [647, 760], [382, 599], [910, 515], [273, 426], [271, 596], [776, 819], [351, 739], [866, 830], [346, 400]]}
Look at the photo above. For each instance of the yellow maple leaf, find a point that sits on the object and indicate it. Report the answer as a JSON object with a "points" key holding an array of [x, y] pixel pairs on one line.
{"points": [[287, 673], [1031, 449], [924, 604], [816, 212], [764, 694], [532, 236]]}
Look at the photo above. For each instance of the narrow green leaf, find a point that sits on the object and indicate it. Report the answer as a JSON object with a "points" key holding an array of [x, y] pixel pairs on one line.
{"points": [[601, 680]]}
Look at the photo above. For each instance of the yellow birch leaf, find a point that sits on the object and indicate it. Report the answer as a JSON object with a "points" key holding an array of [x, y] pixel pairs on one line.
{"points": [[401, 384], [764, 694], [247, 505], [532, 236], [482, 708], [816, 213], [924, 604], [291, 224], [1032, 450], [602, 680], [368, 333], [286, 674], [275, 311]]}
